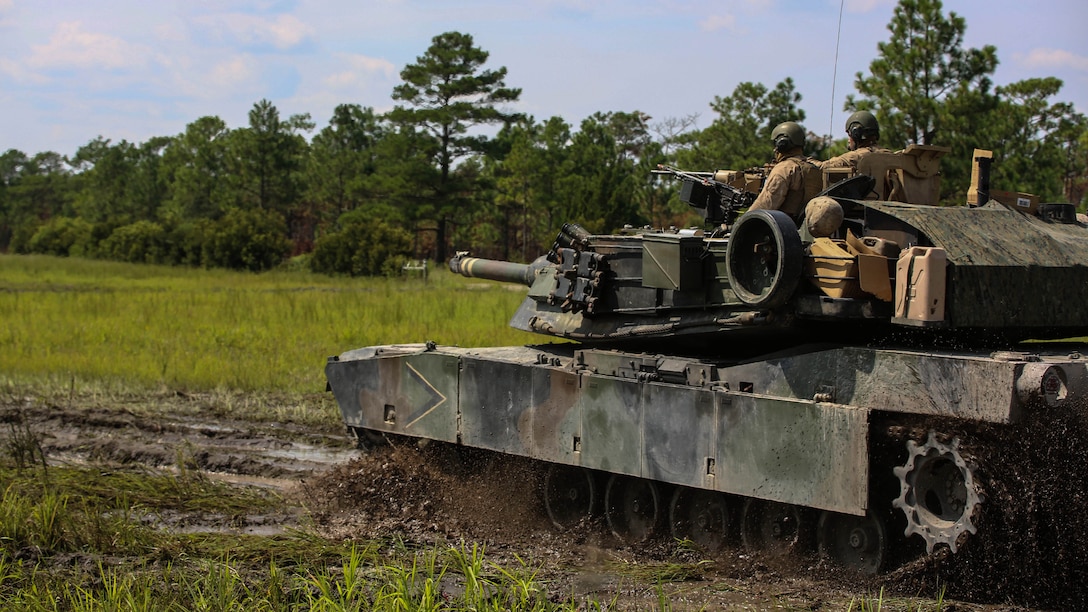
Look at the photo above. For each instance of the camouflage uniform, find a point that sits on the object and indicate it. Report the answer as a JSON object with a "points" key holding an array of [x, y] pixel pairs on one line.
{"points": [[850, 158], [785, 187]]}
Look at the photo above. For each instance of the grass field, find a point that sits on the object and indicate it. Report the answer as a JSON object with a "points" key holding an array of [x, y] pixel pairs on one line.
{"points": [[148, 326]]}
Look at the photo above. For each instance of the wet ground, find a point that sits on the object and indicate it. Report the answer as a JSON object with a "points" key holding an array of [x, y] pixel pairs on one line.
{"points": [[434, 493]]}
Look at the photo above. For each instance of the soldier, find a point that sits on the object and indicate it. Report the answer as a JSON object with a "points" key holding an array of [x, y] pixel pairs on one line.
{"points": [[789, 184], [863, 133]]}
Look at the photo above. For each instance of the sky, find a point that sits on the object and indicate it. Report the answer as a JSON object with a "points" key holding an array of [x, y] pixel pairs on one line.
{"points": [[73, 70]]}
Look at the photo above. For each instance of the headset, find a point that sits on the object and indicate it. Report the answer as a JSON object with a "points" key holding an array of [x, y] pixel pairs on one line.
{"points": [[856, 131]]}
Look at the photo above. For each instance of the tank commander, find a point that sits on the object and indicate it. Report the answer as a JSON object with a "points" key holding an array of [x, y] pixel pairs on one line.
{"points": [[863, 134], [789, 183]]}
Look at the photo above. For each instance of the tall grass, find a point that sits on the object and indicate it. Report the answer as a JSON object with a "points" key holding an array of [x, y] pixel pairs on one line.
{"points": [[214, 329], [130, 565]]}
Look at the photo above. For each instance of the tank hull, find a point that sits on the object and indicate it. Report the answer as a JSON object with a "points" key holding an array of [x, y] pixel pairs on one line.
{"points": [[795, 427]]}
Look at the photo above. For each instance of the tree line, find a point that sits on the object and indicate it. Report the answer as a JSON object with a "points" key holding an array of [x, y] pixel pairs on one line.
{"points": [[449, 167]]}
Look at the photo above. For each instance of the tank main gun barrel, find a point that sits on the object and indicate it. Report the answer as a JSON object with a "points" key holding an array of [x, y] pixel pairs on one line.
{"points": [[492, 269]]}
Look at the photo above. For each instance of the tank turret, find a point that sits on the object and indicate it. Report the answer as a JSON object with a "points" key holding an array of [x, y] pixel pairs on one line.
{"points": [[972, 272]]}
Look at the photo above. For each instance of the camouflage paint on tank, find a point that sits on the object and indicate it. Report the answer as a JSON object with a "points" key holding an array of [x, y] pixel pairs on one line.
{"points": [[1010, 270], [398, 389], [793, 428], [511, 402], [785, 450], [978, 387], [534, 402], [793, 451]]}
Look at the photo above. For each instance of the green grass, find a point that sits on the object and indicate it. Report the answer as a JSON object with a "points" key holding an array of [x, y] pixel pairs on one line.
{"points": [[180, 328], [69, 541]]}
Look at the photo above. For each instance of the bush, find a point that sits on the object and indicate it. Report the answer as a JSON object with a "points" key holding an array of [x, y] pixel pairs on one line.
{"points": [[185, 242], [252, 240], [299, 263], [139, 242], [100, 231], [61, 236], [361, 248]]}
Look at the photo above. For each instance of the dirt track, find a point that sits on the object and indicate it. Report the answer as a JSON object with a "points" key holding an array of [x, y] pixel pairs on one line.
{"points": [[438, 494]]}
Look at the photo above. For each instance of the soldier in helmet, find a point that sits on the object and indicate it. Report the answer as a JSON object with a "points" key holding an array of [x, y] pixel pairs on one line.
{"points": [[863, 133], [789, 183]]}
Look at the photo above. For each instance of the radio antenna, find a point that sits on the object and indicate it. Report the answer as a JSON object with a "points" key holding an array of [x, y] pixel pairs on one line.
{"points": [[835, 71]]}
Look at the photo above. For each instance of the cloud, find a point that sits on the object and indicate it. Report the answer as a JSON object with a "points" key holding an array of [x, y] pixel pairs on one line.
{"points": [[865, 6], [1053, 58], [19, 73], [71, 46], [230, 73], [283, 32], [714, 23], [359, 68], [171, 32]]}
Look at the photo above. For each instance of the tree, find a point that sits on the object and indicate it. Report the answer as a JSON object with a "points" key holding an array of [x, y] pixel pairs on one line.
{"points": [[1075, 145], [121, 183], [253, 240], [32, 190], [1037, 139], [265, 163], [361, 247], [401, 189], [926, 89], [740, 137], [599, 187], [527, 207], [104, 172], [195, 163], [448, 93], [342, 158], [921, 66], [12, 164], [265, 159]]}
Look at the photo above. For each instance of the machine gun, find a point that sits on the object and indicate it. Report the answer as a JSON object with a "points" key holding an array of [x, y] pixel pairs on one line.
{"points": [[720, 203]]}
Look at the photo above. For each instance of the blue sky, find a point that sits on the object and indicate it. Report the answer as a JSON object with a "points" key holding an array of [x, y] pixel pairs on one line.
{"points": [[127, 69]]}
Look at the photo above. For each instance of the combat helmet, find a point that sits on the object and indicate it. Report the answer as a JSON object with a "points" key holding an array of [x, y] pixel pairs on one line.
{"points": [[863, 127], [788, 135]]}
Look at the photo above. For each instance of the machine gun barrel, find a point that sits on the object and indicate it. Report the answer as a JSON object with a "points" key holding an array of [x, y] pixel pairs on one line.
{"points": [[492, 269], [719, 203]]}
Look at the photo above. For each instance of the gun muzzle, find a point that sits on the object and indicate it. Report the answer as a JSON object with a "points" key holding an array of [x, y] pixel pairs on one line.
{"points": [[491, 269]]}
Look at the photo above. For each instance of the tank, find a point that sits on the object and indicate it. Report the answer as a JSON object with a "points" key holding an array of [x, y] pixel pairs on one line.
{"points": [[862, 393]]}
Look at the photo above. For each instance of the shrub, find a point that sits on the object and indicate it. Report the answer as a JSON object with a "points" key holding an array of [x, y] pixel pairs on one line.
{"points": [[185, 242], [62, 236], [252, 240], [139, 242], [361, 248], [20, 237]]}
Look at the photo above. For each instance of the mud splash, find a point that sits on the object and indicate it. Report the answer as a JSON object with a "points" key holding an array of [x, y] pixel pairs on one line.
{"points": [[1032, 542]]}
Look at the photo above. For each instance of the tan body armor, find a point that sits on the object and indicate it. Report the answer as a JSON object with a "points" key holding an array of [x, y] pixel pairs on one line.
{"points": [[791, 183]]}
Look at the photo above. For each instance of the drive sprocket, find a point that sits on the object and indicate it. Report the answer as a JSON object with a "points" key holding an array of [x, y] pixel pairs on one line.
{"points": [[938, 493]]}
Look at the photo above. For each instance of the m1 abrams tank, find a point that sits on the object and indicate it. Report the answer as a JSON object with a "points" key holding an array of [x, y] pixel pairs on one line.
{"points": [[754, 385]]}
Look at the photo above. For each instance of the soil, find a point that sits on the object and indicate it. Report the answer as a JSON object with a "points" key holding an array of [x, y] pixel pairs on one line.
{"points": [[439, 494]]}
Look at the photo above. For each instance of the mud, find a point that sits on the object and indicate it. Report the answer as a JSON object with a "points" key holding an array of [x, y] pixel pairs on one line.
{"points": [[435, 494], [1032, 541]]}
